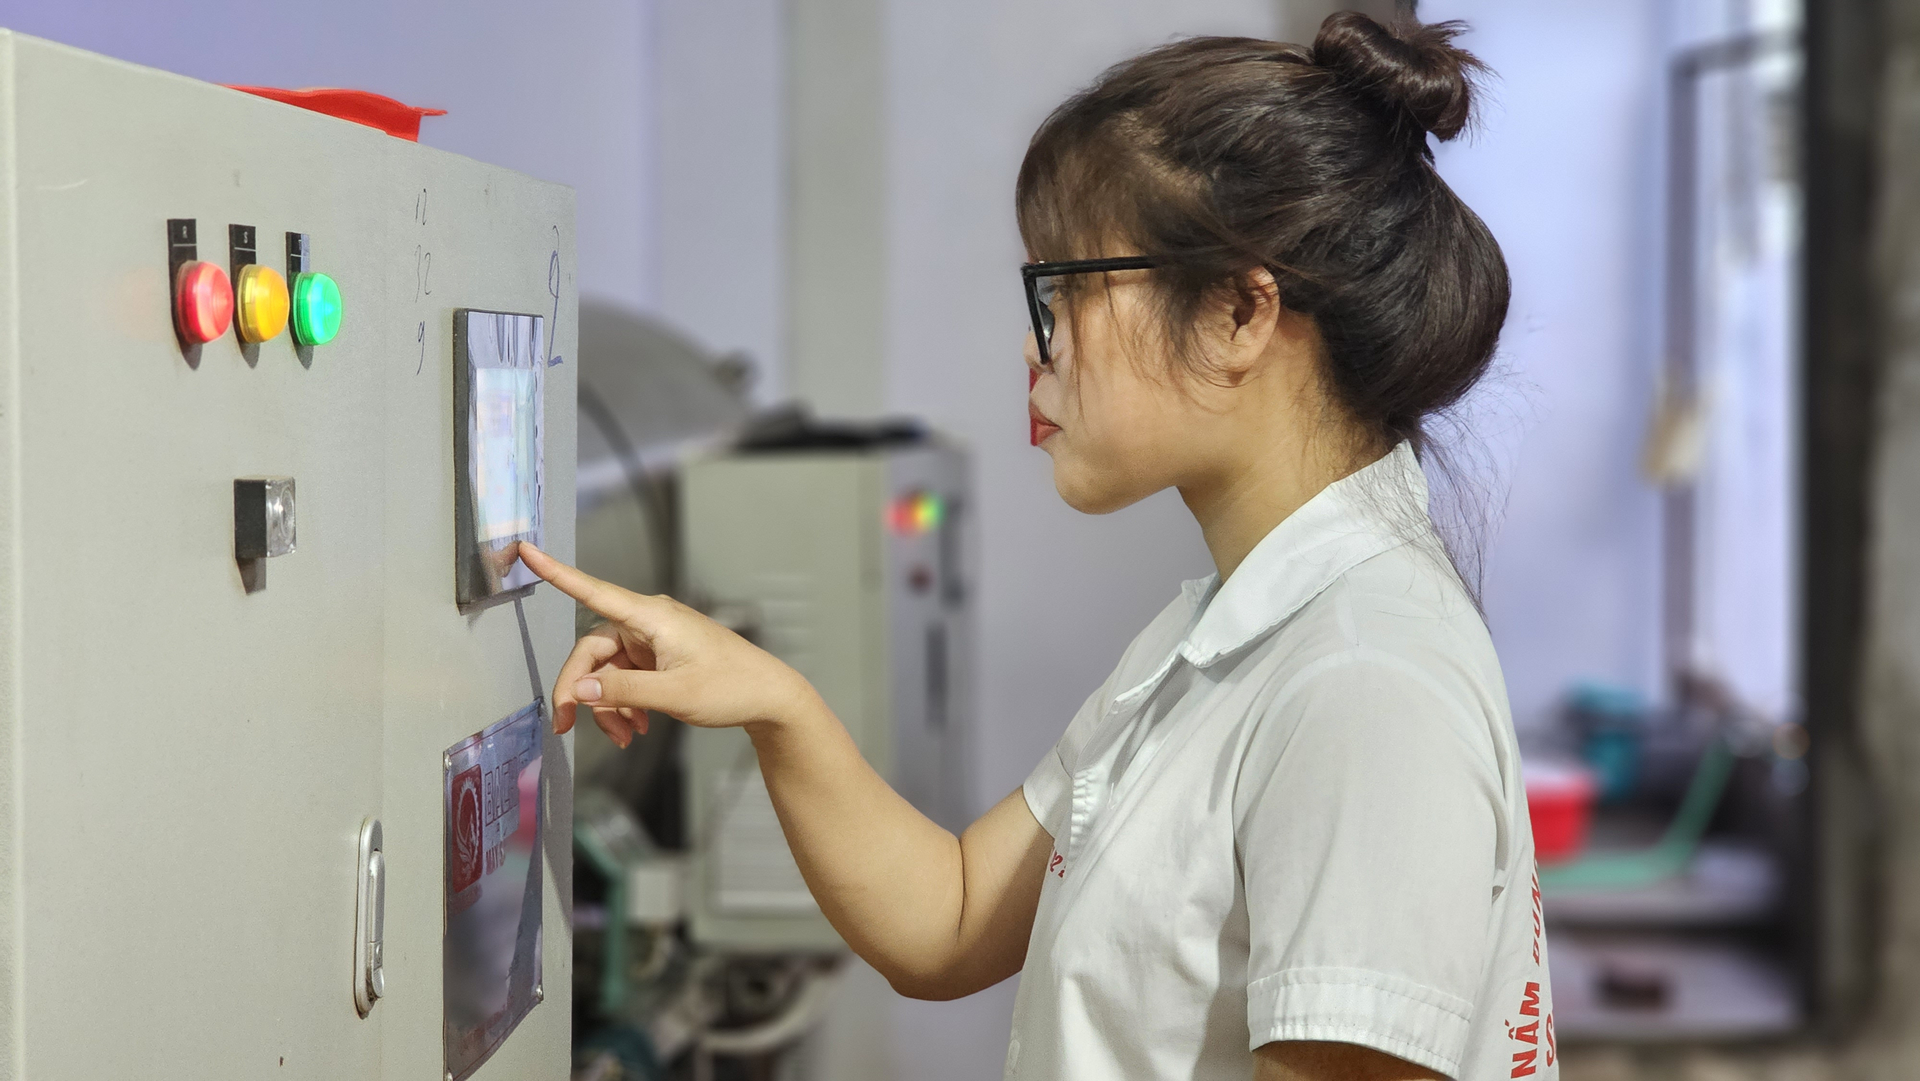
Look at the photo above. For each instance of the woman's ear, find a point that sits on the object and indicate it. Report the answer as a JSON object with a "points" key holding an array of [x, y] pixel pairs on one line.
{"points": [[1251, 321]]}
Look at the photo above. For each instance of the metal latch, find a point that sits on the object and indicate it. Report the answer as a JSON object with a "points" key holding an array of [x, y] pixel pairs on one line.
{"points": [[370, 918], [263, 526]]}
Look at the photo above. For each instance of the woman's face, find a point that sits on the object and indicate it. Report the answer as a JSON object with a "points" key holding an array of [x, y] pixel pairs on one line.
{"points": [[1118, 420]]}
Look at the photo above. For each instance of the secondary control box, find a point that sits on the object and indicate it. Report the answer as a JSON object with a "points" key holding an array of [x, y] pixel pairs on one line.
{"points": [[278, 791], [850, 564]]}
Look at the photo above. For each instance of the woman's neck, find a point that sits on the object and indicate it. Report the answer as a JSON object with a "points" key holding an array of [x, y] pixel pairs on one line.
{"points": [[1241, 504]]}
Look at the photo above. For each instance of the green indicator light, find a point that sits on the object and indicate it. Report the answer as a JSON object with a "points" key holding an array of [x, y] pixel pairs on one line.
{"points": [[930, 512], [316, 309]]}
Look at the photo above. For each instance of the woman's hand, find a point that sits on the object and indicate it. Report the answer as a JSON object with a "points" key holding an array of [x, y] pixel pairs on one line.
{"points": [[957, 922], [656, 653]]}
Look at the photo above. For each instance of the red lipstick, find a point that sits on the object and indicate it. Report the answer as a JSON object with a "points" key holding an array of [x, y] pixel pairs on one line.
{"points": [[1038, 426]]}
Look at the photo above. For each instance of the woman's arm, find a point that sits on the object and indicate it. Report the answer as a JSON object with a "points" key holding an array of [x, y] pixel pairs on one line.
{"points": [[938, 916], [1303, 1060]]}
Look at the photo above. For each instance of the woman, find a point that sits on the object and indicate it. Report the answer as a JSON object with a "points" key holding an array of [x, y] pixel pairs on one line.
{"points": [[1287, 838]]}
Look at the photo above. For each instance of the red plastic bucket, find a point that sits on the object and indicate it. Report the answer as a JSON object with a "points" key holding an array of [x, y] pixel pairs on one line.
{"points": [[1560, 807]]}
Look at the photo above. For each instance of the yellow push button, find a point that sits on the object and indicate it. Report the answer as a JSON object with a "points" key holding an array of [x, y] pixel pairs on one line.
{"points": [[261, 304]]}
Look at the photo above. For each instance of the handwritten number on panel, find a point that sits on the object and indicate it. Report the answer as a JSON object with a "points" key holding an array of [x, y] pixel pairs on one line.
{"points": [[553, 289], [422, 277], [422, 273]]}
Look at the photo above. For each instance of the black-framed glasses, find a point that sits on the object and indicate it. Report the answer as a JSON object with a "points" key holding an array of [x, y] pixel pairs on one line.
{"points": [[1042, 289]]}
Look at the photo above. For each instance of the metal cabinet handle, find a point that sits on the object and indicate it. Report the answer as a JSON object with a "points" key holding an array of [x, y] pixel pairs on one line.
{"points": [[370, 917]]}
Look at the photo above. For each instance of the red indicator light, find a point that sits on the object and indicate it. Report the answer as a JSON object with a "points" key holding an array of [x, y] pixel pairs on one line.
{"points": [[202, 302]]}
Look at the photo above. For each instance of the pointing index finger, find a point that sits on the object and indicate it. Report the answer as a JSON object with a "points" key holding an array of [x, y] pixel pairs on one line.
{"points": [[610, 601]]}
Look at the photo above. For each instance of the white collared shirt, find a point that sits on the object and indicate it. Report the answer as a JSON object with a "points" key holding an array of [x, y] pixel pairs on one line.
{"points": [[1293, 812]]}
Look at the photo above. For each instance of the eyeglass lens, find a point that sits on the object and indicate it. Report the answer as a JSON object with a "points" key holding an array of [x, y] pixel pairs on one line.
{"points": [[1045, 290]]}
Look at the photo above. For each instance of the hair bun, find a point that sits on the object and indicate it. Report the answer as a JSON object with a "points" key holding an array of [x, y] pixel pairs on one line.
{"points": [[1412, 68]]}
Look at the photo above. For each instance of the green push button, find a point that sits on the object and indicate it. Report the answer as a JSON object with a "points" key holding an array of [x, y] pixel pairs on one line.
{"points": [[316, 309]]}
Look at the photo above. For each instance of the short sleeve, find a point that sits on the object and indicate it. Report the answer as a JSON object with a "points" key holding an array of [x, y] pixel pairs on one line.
{"points": [[1368, 811]]}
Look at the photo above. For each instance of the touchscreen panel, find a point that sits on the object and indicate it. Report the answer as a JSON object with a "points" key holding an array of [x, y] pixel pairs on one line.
{"points": [[506, 407], [498, 382]]}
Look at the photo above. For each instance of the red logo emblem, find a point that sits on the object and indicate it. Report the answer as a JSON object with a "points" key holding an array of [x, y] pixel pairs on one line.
{"points": [[464, 846]]}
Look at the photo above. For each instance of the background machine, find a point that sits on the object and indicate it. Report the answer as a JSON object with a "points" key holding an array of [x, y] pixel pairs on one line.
{"points": [[278, 796]]}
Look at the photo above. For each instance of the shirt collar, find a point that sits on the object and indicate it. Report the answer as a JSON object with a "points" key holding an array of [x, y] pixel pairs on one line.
{"points": [[1375, 510]]}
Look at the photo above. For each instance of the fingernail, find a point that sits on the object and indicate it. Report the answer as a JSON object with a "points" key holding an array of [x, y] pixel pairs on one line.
{"points": [[587, 690]]}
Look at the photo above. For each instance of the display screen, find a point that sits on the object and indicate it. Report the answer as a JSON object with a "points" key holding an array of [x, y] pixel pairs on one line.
{"points": [[506, 406], [499, 380]]}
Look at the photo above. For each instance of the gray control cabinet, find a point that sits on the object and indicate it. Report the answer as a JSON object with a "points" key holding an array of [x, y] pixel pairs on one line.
{"points": [[186, 765]]}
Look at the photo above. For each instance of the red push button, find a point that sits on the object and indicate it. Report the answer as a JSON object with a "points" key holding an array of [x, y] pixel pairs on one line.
{"points": [[202, 301]]}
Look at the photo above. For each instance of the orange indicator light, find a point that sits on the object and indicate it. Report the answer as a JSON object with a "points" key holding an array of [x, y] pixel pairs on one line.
{"points": [[262, 304], [202, 302]]}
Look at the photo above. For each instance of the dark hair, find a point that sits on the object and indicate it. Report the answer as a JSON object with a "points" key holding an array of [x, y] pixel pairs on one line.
{"points": [[1220, 156]]}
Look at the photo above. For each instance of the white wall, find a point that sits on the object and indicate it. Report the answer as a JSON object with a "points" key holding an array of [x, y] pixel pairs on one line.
{"points": [[720, 167], [557, 91], [1565, 172]]}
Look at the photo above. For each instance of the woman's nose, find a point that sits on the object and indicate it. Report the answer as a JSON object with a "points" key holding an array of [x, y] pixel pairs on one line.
{"points": [[1031, 352]]}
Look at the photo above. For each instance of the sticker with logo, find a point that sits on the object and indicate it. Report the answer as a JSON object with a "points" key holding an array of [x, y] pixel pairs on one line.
{"points": [[466, 847]]}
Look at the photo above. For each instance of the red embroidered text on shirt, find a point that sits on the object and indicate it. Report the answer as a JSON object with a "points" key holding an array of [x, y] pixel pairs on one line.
{"points": [[1529, 1034]]}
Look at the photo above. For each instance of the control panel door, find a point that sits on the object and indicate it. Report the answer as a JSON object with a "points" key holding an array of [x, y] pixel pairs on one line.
{"points": [[198, 721]]}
